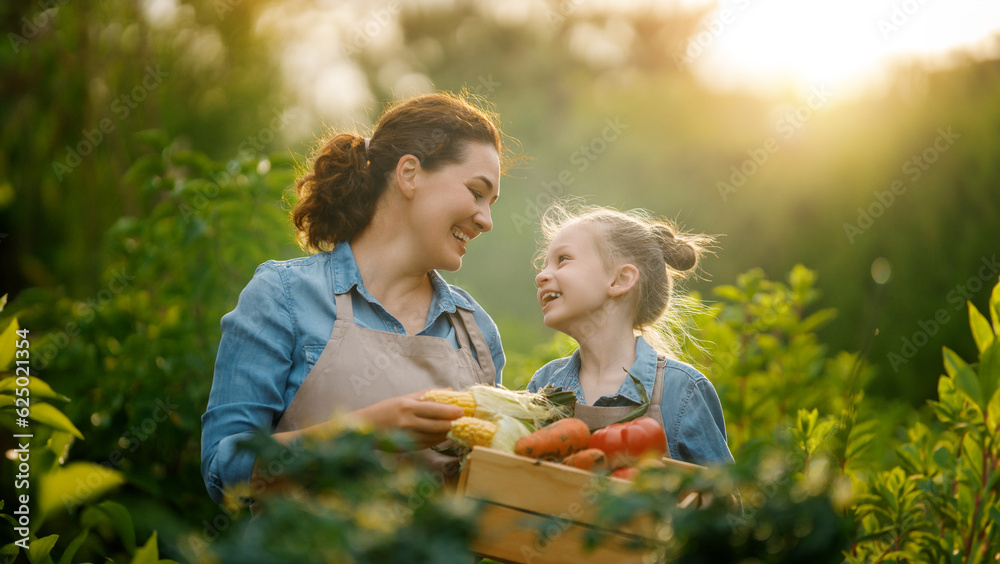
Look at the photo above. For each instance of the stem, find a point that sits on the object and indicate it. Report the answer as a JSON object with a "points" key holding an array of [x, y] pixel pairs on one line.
{"points": [[979, 502]]}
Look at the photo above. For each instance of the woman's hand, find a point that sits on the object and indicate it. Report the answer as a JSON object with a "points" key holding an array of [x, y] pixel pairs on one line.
{"points": [[427, 421]]}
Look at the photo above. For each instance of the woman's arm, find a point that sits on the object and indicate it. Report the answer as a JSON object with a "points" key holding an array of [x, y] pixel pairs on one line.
{"points": [[428, 422], [251, 372]]}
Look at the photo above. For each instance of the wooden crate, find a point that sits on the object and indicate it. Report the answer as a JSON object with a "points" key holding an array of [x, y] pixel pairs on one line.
{"points": [[539, 512]]}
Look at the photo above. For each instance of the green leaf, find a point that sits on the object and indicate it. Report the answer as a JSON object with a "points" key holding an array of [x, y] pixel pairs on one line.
{"points": [[144, 168], [121, 522], [944, 458], [70, 552], [817, 320], [7, 343], [989, 369], [37, 388], [51, 416], [148, 554], [731, 293], [39, 549], [995, 309], [981, 330], [965, 379], [74, 484], [155, 138], [643, 397]]}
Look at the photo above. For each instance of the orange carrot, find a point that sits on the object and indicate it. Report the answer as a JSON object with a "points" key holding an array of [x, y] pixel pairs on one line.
{"points": [[587, 459], [555, 441]]}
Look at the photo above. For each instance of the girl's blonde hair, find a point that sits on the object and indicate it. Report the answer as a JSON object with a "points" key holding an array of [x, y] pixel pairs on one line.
{"points": [[657, 247]]}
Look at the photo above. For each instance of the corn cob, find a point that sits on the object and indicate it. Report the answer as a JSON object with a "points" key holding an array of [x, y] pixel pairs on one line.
{"points": [[465, 400], [473, 432]]}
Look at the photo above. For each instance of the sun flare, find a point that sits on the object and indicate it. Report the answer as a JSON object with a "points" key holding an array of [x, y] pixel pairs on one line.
{"points": [[770, 45]]}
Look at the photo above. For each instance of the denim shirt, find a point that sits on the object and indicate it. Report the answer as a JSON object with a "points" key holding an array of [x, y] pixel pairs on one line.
{"points": [[692, 413], [275, 335]]}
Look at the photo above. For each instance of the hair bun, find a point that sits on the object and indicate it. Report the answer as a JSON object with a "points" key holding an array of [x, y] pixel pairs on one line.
{"points": [[678, 253]]}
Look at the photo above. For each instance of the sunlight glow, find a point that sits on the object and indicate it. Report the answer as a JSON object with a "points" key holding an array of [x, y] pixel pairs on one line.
{"points": [[770, 45]]}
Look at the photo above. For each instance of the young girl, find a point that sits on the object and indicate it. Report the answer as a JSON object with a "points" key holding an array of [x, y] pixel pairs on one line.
{"points": [[606, 281]]}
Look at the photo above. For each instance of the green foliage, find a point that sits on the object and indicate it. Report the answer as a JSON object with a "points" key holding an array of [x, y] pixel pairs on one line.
{"points": [[53, 486], [137, 357], [762, 355], [942, 502], [346, 499]]}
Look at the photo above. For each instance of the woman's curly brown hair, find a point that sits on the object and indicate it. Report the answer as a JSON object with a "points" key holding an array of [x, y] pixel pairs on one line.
{"points": [[337, 197]]}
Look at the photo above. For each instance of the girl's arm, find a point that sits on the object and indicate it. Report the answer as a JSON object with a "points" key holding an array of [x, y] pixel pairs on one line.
{"points": [[697, 432]]}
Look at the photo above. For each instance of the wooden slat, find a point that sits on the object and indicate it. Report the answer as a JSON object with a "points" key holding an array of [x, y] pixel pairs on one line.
{"points": [[510, 535]]}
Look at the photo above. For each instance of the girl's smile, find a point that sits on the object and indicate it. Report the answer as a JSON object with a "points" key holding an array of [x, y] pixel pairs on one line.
{"points": [[573, 283]]}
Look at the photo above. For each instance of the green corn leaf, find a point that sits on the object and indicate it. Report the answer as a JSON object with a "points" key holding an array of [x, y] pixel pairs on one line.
{"points": [[981, 330]]}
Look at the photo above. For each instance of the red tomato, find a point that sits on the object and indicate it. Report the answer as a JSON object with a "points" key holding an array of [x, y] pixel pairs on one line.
{"points": [[627, 473], [625, 443]]}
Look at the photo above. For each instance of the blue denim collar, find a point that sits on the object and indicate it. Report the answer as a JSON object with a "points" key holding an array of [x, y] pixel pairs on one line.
{"points": [[644, 369], [346, 276]]}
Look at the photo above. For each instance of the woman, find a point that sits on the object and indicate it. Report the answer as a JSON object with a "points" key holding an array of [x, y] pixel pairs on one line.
{"points": [[365, 326]]}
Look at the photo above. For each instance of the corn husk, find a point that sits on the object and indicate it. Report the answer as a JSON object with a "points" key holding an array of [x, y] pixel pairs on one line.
{"points": [[509, 431], [533, 408]]}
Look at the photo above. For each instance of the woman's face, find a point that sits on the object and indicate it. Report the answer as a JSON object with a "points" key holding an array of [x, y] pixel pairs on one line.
{"points": [[452, 205]]}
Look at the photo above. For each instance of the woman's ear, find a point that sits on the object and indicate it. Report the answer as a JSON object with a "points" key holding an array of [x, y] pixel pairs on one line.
{"points": [[625, 279], [407, 169]]}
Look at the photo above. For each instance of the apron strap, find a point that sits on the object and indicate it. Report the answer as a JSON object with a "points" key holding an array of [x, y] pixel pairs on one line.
{"points": [[465, 324], [657, 393], [345, 307]]}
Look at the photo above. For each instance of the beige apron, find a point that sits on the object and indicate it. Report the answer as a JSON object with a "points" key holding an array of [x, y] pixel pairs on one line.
{"points": [[596, 417], [360, 367]]}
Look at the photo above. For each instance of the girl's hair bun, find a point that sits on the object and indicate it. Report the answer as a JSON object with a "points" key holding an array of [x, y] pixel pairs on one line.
{"points": [[678, 253]]}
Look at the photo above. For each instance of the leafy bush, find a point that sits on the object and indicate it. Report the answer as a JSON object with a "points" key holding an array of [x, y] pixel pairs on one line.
{"points": [[347, 500]]}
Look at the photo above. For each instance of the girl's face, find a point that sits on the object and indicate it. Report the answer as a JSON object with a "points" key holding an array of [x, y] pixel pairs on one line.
{"points": [[452, 205], [574, 281]]}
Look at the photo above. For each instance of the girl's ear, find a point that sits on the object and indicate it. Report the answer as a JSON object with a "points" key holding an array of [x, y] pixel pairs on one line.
{"points": [[407, 169], [625, 279]]}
